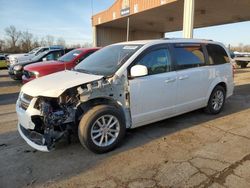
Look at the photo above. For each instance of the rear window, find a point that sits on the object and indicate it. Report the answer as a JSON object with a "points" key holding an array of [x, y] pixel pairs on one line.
{"points": [[216, 54], [188, 56]]}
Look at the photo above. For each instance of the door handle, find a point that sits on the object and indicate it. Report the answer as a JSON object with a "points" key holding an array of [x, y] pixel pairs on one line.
{"points": [[168, 80], [183, 77]]}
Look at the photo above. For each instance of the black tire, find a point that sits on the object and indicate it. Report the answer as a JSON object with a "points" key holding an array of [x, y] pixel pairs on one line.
{"points": [[89, 120], [243, 64], [210, 109]]}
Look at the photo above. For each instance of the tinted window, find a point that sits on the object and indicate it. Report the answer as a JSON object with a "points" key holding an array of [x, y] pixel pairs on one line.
{"points": [[70, 55], [84, 56], [39, 56], [189, 56], [2, 58], [53, 56], [156, 61], [217, 54]]}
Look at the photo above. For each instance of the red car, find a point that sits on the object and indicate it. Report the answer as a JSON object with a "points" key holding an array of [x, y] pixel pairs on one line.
{"points": [[67, 61]]}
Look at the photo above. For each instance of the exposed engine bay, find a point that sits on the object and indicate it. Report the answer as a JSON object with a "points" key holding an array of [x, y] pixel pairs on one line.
{"points": [[57, 117]]}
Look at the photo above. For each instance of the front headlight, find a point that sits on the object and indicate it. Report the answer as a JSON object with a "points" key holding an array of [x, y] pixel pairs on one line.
{"points": [[13, 60], [34, 74], [18, 67]]}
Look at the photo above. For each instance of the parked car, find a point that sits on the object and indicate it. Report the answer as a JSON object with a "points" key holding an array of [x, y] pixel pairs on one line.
{"points": [[124, 86], [17, 58], [67, 61], [242, 59], [3, 63], [16, 70]]}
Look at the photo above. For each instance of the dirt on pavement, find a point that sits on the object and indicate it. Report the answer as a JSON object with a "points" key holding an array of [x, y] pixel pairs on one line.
{"points": [[191, 150]]}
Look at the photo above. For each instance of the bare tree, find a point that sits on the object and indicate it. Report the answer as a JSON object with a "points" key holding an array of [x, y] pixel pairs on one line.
{"points": [[75, 45], [26, 41], [2, 45], [87, 45], [50, 40], [61, 41], [13, 37], [43, 42], [35, 43]]}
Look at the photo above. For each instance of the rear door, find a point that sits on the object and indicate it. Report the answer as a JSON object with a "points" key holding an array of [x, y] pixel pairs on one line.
{"points": [[192, 76], [152, 97]]}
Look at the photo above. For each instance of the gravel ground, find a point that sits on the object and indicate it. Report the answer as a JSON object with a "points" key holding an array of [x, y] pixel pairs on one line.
{"points": [[191, 150]]}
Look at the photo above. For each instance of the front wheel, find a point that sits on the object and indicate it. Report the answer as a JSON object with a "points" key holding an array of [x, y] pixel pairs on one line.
{"points": [[102, 128], [216, 101]]}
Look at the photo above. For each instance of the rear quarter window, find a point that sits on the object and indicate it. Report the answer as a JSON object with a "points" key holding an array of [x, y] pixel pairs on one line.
{"points": [[216, 54], [188, 56]]}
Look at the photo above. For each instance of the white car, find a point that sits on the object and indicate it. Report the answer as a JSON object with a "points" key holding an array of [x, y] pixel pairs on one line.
{"points": [[124, 86], [18, 58]]}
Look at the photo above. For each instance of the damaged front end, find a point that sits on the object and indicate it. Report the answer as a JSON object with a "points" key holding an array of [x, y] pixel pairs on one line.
{"points": [[46, 120]]}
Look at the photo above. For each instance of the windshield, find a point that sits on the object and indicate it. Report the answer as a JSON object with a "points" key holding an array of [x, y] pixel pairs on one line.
{"points": [[34, 50], [37, 57], [107, 60], [70, 56]]}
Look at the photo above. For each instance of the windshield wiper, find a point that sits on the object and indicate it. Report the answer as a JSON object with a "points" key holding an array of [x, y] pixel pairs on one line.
{"points": [[85, 71]]}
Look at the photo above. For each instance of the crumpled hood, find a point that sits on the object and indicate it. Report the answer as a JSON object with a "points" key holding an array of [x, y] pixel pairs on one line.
{"points": [[55, 84]]}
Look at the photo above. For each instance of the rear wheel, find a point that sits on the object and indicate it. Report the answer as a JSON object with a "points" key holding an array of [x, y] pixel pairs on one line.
{"points": [[243, 64], [102, 128], [216, 101]]}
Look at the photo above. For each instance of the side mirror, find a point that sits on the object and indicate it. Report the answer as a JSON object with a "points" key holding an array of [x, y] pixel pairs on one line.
{"points": [[78, 61], [138, 70], [45, 59]]}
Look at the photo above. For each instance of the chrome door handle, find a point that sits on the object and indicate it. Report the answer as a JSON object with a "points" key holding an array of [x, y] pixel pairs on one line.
{"points": [[183, 77], [168, 80]]}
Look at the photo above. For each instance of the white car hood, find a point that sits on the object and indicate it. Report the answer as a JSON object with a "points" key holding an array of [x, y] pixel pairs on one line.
{"points": [[25, 57], [12, 56], [55, 84]]}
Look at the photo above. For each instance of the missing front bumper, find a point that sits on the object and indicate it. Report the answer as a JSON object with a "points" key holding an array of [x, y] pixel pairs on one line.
{"points": [[34, 139]]}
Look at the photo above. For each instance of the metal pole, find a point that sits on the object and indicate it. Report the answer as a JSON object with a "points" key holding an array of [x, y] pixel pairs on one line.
{"points": [[94, 36], [128, 29], [188, 18]]}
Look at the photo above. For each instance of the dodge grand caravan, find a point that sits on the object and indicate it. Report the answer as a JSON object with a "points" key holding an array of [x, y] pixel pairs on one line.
{"points": [[124, 86]]}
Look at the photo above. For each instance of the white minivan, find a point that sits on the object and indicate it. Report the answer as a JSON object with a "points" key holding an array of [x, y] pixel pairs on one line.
{"points": [[124, 86]]}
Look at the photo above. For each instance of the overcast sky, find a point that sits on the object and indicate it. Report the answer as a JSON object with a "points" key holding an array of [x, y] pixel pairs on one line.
{"points": [[71, 19]]}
